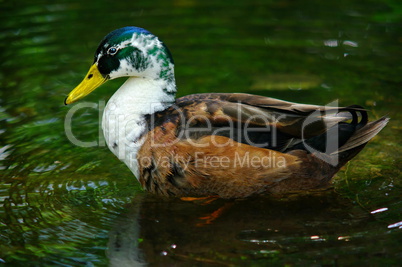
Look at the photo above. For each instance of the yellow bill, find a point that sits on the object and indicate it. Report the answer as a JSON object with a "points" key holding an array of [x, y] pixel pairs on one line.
{"points": [[92, 80]]}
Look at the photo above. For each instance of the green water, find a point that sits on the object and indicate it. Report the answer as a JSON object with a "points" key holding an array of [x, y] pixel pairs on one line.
{"points": [[64, 205]]}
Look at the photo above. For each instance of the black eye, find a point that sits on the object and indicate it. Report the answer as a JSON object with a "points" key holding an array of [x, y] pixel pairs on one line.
{"points": [[112, 50]]}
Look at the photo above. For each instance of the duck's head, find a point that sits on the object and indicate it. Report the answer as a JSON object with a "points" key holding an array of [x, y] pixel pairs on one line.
{"points": [[126, 52]]}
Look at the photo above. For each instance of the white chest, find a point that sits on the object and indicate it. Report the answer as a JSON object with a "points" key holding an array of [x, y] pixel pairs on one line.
{"points": [[123, 120], [122, 130]]}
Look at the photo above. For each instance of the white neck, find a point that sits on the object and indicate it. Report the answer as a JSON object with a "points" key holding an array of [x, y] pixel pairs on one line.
{"points": [[123, 120], [143, 96]]}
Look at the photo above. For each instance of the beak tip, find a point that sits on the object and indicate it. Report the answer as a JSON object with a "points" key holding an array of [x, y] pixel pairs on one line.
{"points": [[68, 101], [92, 80]]}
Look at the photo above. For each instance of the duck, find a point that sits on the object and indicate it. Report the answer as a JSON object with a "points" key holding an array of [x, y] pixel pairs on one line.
{"points": [[227, 145]]}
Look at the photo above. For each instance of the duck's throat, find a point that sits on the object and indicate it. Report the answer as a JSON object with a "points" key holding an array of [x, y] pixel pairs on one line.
{"points": [[123, 120], [143, 96]]}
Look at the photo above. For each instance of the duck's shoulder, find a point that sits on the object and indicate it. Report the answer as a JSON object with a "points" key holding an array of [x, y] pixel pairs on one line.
{"points": [[231, 106], [244, 110], [223, 100], [220, 109]]}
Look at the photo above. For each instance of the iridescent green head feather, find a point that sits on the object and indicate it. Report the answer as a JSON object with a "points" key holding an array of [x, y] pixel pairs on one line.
{"points": [[127, 52], [130, 50]]}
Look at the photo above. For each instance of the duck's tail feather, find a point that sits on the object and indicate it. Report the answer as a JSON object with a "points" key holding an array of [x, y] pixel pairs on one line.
{"points": [[364, 134]]}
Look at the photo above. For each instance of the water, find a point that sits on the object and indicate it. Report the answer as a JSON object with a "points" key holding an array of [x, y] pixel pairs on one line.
{"points": [[64, 205]]}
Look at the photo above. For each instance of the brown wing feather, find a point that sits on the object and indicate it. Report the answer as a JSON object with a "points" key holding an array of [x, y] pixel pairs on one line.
{"points": [[257, 101], [254, 120], [252, 108]]}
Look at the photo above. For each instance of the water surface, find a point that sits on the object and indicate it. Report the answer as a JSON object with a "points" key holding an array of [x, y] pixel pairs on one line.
{"points": [[65, 205]]}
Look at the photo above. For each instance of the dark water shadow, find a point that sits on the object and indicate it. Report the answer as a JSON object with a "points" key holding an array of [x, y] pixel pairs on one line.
{"points": [[159, 231]]}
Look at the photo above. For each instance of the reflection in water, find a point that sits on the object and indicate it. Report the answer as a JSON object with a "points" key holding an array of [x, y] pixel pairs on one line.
{"points": [[124, 238], [160, 231]]}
